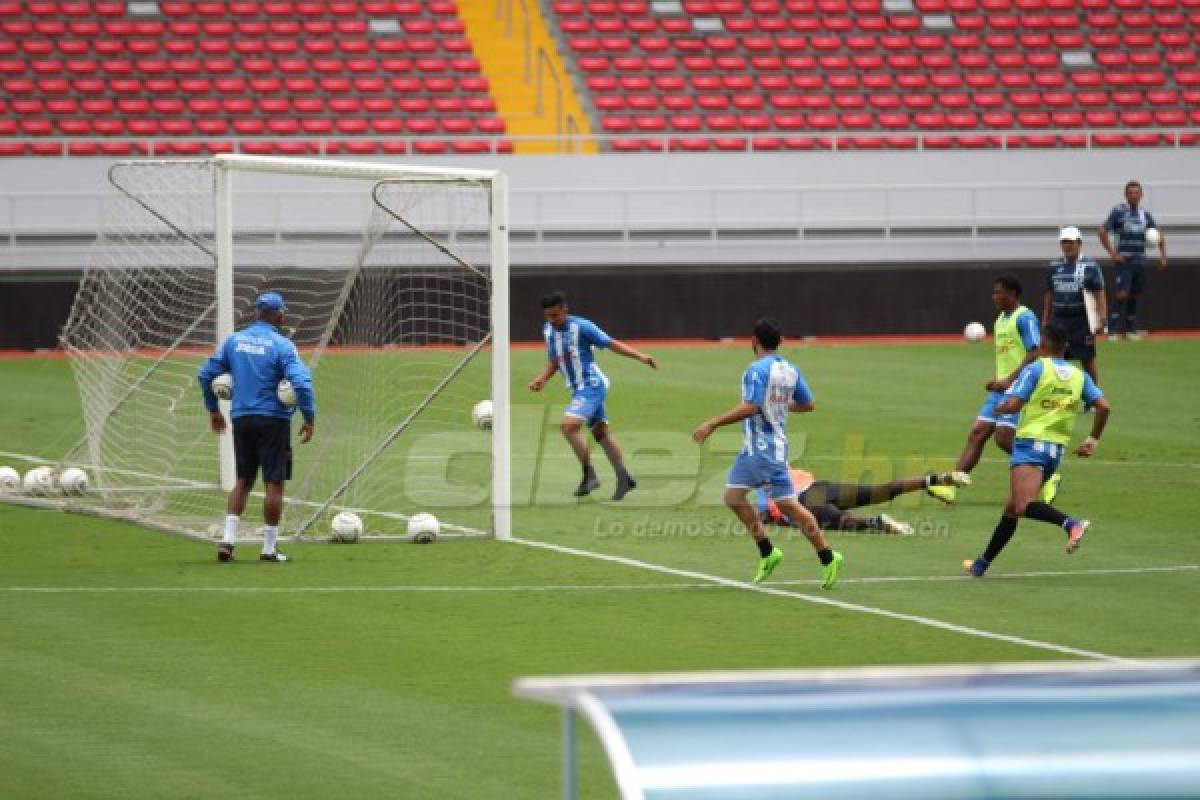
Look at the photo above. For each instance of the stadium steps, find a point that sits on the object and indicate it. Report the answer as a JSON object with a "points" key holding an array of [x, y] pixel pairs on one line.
{"points": [[502, 60]]}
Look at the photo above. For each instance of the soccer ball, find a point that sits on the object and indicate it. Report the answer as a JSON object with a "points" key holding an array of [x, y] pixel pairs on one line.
{"points": [[347, 527], [481, 415], [423, 528], [222, 386], [39, 481], [1153, 237], [10, 479], [286, 392], [974, 332], [73, 480]]}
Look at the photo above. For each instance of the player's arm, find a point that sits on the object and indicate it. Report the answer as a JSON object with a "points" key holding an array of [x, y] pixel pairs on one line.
{"points": [[1162, 242], [538, 383], [1020, 392], [217, 364], [306, 399], [802, 398], [735, 414], [1094, 398], [1110, 223], [1094, 284], [1047, 305], [622, 349]]}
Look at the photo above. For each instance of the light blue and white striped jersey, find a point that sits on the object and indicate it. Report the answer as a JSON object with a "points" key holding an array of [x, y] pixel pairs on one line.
{"points": [[771, 383], [570, 348], [1130, 224]]}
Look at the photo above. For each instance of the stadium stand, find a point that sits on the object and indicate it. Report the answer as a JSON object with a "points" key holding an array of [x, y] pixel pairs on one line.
{"points": [[700, 75], [296, 78]]}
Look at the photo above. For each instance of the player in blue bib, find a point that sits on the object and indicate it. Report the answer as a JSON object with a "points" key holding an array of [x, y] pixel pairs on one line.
{"points": [[569, 343], [1129, 222], [1069, 280], [771, 387]]}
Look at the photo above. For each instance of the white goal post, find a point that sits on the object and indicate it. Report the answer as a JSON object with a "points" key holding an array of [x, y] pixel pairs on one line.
{"points": [[396, 280]]}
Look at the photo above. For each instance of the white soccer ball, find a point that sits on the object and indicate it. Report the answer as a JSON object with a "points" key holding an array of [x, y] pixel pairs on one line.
{"points": [[975, 332], [73, 480], [222, 386], [1153, 237], [481, 415], [286, 392], [423, 528], [10, 479], [39, 481], [347, 527]]}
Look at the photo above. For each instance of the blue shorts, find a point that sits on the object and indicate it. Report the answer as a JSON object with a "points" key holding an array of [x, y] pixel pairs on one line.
{"points": [[1036, 453], [752, 472], [1131, 276], [588, 405], [988, 412]]}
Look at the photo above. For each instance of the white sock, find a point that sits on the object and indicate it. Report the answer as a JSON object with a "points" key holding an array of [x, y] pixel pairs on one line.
{"points": [[231, 528], [270, 536]]}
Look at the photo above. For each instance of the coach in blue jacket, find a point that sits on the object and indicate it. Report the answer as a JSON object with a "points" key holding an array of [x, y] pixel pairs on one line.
{"points": [[258, 357]]}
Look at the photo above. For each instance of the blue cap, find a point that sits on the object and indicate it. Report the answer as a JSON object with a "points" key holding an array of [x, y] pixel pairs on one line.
{"points": [[270, 301]]}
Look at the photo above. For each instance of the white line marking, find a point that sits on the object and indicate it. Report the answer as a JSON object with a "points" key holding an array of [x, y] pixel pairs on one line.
{"points": [[825, 601], [584, 587]]}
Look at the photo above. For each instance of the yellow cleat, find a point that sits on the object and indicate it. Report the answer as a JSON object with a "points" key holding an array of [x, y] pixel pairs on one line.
{"points": [[945, 494]]}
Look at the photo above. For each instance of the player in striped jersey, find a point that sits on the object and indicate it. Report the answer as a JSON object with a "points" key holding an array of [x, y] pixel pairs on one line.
{"points": [[1017, 340], [771, 387], [569, 343], [1129, 222], [1049, 394]]}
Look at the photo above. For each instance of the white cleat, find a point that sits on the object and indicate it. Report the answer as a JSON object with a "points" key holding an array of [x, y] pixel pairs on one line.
{"points": [[959, 478], [895, 526]]}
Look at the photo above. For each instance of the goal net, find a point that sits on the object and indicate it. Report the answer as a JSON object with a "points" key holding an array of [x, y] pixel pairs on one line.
{"points": [[395, 280]]}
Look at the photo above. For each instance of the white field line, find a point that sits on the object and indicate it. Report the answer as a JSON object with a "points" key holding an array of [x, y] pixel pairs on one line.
{"points": [[823, 600], [553, 588]]}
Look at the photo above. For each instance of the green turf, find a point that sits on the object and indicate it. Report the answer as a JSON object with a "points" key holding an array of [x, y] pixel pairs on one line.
{"points": [[372, 671]]}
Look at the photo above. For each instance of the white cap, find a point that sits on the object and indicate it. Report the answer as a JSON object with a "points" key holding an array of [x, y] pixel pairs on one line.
{"points": [[1070, 232]]}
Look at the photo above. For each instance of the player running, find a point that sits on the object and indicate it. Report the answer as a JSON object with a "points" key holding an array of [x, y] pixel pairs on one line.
{"points": [[1129, 222], [1068, 282], [829, 502], [569, 343], [1049, 394], [259, 357], [771, 387], [1017, 340]]}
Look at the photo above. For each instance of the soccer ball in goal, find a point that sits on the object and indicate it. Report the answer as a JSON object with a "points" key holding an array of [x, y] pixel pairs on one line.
{"points": [[396, 280]]}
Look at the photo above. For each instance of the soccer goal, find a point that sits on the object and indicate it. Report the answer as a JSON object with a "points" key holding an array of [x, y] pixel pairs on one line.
{"points": [[396, 281]]}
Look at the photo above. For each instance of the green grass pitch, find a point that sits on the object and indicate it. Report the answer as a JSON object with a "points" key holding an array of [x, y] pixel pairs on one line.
{"points": [[135, 666]]}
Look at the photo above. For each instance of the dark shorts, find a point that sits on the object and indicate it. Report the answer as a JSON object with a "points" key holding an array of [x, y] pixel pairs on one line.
{"points": [[1131, 276], [1081, 344], [263, 443], [842, 495]]}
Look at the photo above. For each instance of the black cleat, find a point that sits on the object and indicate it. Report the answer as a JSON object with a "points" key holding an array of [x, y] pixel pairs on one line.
{"points": [[224, 552], [589, 482], [278, 558], [625, 484]]}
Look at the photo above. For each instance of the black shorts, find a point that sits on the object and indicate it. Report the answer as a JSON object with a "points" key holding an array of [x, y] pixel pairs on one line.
{"points": [[1081, 344], [266, 443]]}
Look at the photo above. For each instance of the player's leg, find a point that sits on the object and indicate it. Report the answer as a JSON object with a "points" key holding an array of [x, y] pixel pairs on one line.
{"points": [[1034, 508], [831, 560], [1024, 480], [1123, 276], [745, 475], [977, 437], [572, 431], [245, 452], [275, 453], [1136, 285], [608, 442]]}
